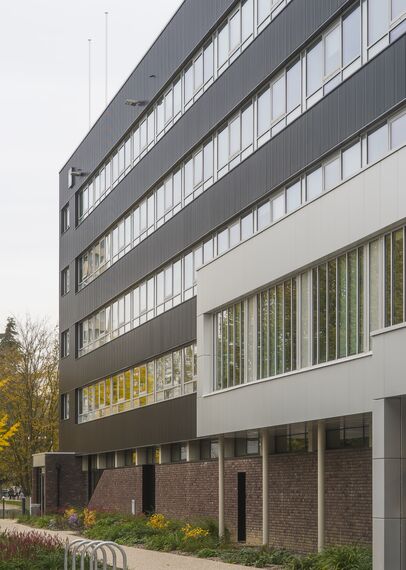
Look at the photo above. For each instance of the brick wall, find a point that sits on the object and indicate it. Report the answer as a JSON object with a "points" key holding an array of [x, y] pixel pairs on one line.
{"points": [[187, 490], [116, 489], [72, 482]]}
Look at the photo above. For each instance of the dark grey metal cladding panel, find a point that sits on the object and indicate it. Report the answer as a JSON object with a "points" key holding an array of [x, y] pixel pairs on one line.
{"points": [[166, 422], [363, 98], [274, 47], [170, 330], [176, 43]]}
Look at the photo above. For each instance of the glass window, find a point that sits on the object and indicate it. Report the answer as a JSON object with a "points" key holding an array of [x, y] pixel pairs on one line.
{"points": [[398, 7], [189, 84], [247, 127], [398, 131], [247, 19], [278, 207], [168, 106], [377, 19], [264, 112], [188, 177], [332, 51], [198, 167], [293, 196], [264, 215], [235, 31], [151, 127], [208, 160], [222, 143], [222, 45], [377, 144], [352, 160], [222, 242], [65, 218], [278, 98], [235, 136], [332, 174], [264, 9], [314, 68], [314, 184], [293, 86], [188, 271], [352, 36], [247, 227], [234, 234], [208, 62], [65, 344], [198, 68], [177, 97]]}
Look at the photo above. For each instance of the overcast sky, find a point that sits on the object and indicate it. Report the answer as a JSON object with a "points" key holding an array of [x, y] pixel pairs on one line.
{"points": [[43, 117]]}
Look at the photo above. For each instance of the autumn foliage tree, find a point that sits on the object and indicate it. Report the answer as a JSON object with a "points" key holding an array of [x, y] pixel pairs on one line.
{"points": [[28, 397]]}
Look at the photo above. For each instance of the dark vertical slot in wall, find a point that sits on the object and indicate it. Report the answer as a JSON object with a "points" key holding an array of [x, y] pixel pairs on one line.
{"points": [[242, 508], [148, 488]]}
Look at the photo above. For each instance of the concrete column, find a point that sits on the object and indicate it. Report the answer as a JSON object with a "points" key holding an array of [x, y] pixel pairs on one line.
{"points": [[321, 452], [388, 483], [221, 487], [265, 487]]}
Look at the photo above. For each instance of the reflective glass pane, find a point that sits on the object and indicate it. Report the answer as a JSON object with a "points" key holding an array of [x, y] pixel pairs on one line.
{"points": [[263, 10], [278, 98], [247, 228], [198, 65], [352, 160], [264, 215], [222, 46], [235, 31], [377, 144], [398, 7], [314, 184], [247, 19], [314, 68], [377, 19], [222, 148], [264, 112], [352, 36], [247, 127], [398, 131], [293, 196], [222, 241], [293, 86], [188, 84], [332, 51], [208, 62], [278, 207], [332, 174], [235, 136]]}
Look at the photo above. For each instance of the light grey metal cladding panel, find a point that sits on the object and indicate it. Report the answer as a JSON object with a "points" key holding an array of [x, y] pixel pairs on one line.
{"points": [[328, 124], [170, 330], [177, 41], [273, 48], [166, 422]]}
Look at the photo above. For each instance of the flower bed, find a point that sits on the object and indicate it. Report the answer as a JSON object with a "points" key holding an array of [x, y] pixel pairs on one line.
{"points": [[198, 538]]}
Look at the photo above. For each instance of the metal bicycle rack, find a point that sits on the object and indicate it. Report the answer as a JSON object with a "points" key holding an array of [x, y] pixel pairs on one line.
{"points": [[97, 551]]}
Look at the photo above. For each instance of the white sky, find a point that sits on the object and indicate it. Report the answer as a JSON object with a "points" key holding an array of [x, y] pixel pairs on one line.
{"points": [[43, 117]]}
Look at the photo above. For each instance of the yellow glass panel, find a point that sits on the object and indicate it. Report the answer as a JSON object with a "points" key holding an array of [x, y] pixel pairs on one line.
{"points": [[136, 380], [143, 401], [151, 378], [127, 376], [96, 396], [115, 389], [143, 379], [134, 457], [102, 393], [157, 455], [108, 391], [121, 387]]}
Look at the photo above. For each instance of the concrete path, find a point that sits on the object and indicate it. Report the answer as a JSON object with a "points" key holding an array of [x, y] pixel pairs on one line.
{"points": [[138, 558]]}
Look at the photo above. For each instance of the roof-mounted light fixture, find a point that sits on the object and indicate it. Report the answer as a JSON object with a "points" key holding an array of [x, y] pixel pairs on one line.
{"points": [[73, 172]]}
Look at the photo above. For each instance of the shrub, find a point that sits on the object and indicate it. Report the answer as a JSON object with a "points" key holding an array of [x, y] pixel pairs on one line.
{"points": [[158, 522], [207, 553], [345, 558]]}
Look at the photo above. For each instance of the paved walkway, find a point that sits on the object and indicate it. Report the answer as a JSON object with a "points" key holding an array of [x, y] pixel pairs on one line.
{"points": [[139, 559]]}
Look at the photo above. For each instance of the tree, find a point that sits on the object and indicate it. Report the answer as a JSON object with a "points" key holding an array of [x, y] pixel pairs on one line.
{"points": [[10, 335], [6, 432], [29, 397]]}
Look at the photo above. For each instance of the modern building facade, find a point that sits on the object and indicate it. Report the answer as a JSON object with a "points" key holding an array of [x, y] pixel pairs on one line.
{"points": [[232, 266]]}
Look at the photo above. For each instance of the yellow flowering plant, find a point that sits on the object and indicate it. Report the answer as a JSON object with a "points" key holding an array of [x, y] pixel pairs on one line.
{"points": [[89, 518], [190, 531], [157, 522]]}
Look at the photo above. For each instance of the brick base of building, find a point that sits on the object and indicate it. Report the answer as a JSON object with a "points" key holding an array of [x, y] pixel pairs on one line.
{"points": [[190, 490]]}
